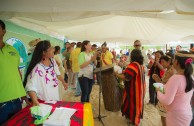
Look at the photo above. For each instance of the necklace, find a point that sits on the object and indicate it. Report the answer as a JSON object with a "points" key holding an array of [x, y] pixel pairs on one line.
{"points": [[46, 67], [166, 76]]}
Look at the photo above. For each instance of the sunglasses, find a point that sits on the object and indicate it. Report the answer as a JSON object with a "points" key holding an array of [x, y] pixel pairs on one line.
{"points": [[137, 45]]}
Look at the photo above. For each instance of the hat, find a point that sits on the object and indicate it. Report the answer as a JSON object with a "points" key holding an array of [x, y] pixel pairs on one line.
{"points": [[34, 42], [104, 45], [73, 43]]}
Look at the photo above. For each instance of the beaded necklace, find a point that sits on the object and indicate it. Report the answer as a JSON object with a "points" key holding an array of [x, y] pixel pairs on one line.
{"points": [[46, 67], [165, 77]]}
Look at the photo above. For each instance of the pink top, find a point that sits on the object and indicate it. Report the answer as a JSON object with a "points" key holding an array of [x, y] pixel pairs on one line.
{"points": [[175, 99]]}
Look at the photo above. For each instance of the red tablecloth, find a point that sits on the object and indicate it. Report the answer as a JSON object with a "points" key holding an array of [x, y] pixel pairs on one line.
{"points": [[24, 118]]}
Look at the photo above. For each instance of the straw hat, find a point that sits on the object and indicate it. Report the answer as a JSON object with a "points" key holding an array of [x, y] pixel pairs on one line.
{"points": [[34, 42]]}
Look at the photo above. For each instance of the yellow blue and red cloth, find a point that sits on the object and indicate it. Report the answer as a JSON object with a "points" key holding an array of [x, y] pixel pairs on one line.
{"points": [[83, 116]]}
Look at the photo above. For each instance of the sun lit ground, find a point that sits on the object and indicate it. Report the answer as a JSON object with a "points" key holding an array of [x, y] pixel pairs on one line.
{"points": [[151, 116]]}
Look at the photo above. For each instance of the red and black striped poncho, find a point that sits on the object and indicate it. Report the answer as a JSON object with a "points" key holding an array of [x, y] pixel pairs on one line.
{"points": [[134, 92]]}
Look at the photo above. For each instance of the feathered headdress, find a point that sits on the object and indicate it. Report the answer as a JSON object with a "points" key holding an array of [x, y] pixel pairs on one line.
{"points": [[104, 45]]}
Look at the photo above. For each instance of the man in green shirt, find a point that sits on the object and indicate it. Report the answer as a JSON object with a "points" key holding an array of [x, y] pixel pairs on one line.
{"points": [[11, 87]]}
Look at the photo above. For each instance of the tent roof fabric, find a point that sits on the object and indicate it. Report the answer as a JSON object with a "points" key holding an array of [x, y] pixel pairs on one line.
{"points": [[151, 21], [63, 10]]}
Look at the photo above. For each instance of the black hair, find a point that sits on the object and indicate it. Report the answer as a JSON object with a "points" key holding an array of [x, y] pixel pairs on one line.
{"points": [[161, 52], [57, 48], [179, 46], [41, 47], [168, 57], [136, 56], [188, 70], [2, 24], [94, 45], [65, 44], [83, 48], [79, 45]]}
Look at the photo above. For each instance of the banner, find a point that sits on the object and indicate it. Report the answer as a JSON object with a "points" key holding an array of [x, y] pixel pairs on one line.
{"points": [[20, 47]]}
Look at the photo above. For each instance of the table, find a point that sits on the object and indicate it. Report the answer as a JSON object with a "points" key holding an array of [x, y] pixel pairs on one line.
{"points": [[83, 116]]}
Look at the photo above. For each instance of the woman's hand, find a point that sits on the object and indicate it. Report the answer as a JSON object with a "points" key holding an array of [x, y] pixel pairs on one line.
{"points": [[93, 58], [35, 103], [157, 89], [156, 78], [34, 98], [96, 53], [116, 73], [65, 85], [157, 60], [24, 98]]}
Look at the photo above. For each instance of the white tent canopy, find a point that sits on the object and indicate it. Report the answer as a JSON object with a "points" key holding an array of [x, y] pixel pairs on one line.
{"points": [[152, 22]]}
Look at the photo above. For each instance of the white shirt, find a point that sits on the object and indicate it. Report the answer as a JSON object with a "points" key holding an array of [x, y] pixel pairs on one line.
{"points": [[43, 80], [88, 70]]}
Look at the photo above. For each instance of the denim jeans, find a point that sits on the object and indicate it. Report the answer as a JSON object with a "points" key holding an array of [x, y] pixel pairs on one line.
{"points": [[78, 89], [152, 93], [8, 109], [86, 87]]}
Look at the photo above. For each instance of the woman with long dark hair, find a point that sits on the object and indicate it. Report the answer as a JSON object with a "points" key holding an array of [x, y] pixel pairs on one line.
{"points": [[178, 91], [167, 63], [85, 76], [192, 99], [134, 91], [155, 68], [41, 78]]}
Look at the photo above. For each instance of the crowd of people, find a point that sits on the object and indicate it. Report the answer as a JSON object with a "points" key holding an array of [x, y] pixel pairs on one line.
{"points": [[47, 77]]}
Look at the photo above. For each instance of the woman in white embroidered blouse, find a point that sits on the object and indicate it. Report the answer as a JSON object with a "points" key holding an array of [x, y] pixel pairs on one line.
{"points": [[41, 80]]}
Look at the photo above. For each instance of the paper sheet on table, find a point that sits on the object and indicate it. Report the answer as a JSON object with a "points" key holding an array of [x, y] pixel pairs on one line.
{"points": [[60, 117], [65, 122], [42, 110], [51, 102]]}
